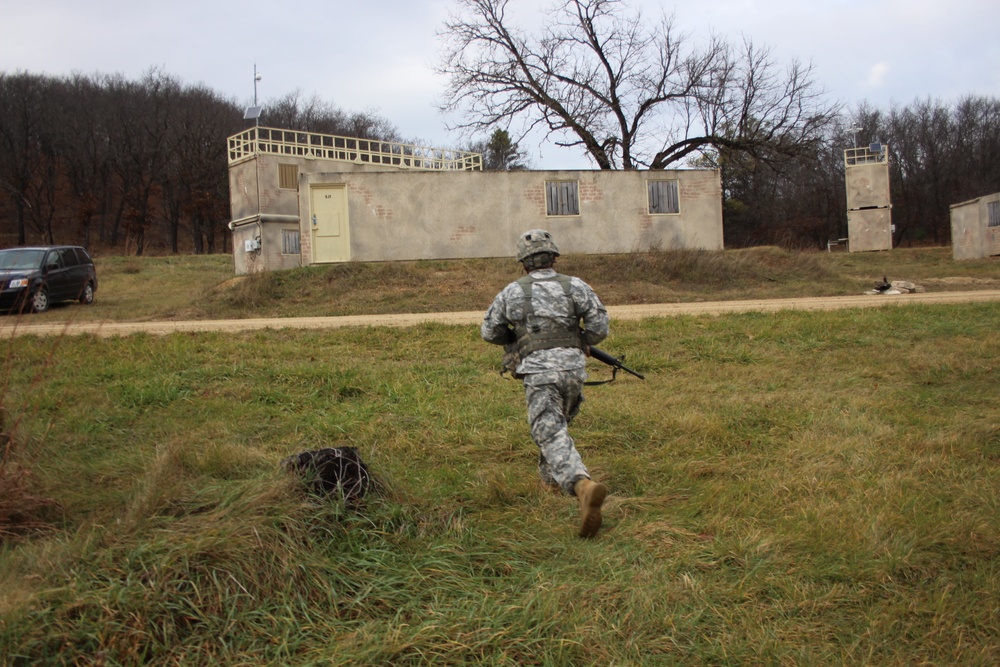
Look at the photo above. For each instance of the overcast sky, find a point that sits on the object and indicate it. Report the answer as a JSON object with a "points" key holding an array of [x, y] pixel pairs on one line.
{"points": [[379, 55]]}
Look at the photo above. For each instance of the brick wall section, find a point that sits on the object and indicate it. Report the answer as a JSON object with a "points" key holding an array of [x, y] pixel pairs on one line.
{"points": [[267, 200], [462, 232], [645, 219], [696, 187], [305, 245], [535, 195], [243, 190], [590, 191], [992, 241], [380, 211]]}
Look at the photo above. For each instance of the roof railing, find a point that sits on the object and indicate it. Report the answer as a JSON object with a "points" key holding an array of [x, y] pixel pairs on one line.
{"points": [[312, 145], [876, 153]]}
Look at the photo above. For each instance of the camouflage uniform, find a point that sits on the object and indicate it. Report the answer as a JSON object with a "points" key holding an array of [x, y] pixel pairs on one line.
{"points": [[553, 378]]}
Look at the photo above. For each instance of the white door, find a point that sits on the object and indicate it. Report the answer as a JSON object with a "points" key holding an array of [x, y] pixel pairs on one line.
{"points": [[331, 239]]}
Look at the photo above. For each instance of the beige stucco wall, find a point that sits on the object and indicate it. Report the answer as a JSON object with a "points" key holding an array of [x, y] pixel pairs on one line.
{"points": [[259, 208], [869, 209], [269, 256], [867, 185], [253, 184], [971, 235], [869, 230], [442, 215]]}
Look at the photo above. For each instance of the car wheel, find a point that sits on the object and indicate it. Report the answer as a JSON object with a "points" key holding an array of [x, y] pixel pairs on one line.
{"points": [[87, 295], [40, 301]]}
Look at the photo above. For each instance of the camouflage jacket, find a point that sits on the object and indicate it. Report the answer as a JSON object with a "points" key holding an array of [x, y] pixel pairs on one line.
{"points": [[550, 301]]}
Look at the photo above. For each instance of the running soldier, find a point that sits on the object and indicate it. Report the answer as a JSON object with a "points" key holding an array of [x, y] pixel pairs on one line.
{"points": [[538, 318]]}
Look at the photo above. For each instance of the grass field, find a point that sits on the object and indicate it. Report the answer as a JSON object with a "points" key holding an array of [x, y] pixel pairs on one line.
{"points": [[787, 488], [204, 287]]}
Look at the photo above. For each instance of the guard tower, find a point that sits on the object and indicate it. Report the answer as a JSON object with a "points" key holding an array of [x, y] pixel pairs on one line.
{"points": [[869, 217]]}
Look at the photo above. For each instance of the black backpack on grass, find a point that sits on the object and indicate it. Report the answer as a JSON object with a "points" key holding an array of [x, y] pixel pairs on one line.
{"points": [[324, 471]]}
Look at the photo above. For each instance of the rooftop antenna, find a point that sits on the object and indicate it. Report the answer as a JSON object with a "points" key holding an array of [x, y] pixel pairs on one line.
{"points": [[254, 111], [853, 131]]}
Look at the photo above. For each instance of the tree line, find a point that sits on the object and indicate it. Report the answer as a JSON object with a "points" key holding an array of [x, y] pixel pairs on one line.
{"points": [[940, 154], [133, 166]]}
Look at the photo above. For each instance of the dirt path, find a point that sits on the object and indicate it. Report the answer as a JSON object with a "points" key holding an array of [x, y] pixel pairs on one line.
{"points": [[18, 328]]}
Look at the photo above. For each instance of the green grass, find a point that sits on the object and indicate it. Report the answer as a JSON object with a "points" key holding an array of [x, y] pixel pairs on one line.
{"points": [[204, 287], [788, 488]]}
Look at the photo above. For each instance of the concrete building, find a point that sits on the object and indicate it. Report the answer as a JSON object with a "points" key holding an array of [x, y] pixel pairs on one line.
{"points": [[975, 228], [299, 198], [869, 208]]}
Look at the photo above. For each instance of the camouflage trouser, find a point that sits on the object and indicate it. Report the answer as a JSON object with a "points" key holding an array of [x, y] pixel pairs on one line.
{"points": [[554, 399]]}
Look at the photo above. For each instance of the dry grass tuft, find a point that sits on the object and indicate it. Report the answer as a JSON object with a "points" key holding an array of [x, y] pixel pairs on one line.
{"points": [[24, 508]]}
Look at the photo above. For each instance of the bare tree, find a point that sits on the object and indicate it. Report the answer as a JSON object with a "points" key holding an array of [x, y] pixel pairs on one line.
{"points": [[316, 115], [194, 183], [85, 150], [939, 154], [630, 92], [141, 121], [751, 106], [27, 160], [977, 144]]}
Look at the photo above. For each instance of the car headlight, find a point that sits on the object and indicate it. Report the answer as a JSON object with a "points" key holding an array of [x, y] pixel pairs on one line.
{"points": [[19, 282]]}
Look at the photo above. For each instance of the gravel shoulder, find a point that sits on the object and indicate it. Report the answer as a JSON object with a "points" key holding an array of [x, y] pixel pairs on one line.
{"points": [[19, 327]]}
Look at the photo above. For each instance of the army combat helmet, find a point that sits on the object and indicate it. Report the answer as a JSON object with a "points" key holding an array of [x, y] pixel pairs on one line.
{"points": [[533, 242]]}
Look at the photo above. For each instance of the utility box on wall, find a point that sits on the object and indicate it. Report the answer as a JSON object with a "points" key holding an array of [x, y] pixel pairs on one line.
{"points": [[869, 208]]}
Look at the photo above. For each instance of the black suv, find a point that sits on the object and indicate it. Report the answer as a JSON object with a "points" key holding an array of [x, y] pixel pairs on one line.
{"points": [[32, 278]]}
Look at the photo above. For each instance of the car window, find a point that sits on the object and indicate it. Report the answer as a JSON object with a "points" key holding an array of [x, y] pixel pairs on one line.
{"points": [[84, 257], [69, 257], [18, 258], [53, 258]]}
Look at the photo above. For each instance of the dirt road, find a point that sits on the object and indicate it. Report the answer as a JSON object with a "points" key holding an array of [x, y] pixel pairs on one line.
{"points": [[22, 326]]}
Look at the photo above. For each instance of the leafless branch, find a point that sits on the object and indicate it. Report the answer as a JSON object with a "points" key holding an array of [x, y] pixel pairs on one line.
{"points": [[631, 93]]}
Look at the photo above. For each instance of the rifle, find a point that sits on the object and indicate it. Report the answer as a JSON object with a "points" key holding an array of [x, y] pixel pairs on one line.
{"points": [[614, 362]]}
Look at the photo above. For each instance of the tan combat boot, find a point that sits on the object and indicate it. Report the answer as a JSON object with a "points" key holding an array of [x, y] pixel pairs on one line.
{"points": [[591, 495]]}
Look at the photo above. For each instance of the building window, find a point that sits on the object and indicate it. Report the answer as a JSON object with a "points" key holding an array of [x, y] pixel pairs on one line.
{"points": [[290, 242], [663, 197], [562, 198], [288, 176], [993, 213]]}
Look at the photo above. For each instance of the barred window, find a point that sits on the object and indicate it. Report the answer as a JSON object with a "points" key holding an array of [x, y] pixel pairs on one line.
{"points": [[993, 213], [288, 176], [663, 197], [562, 198], [290, 242]]}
